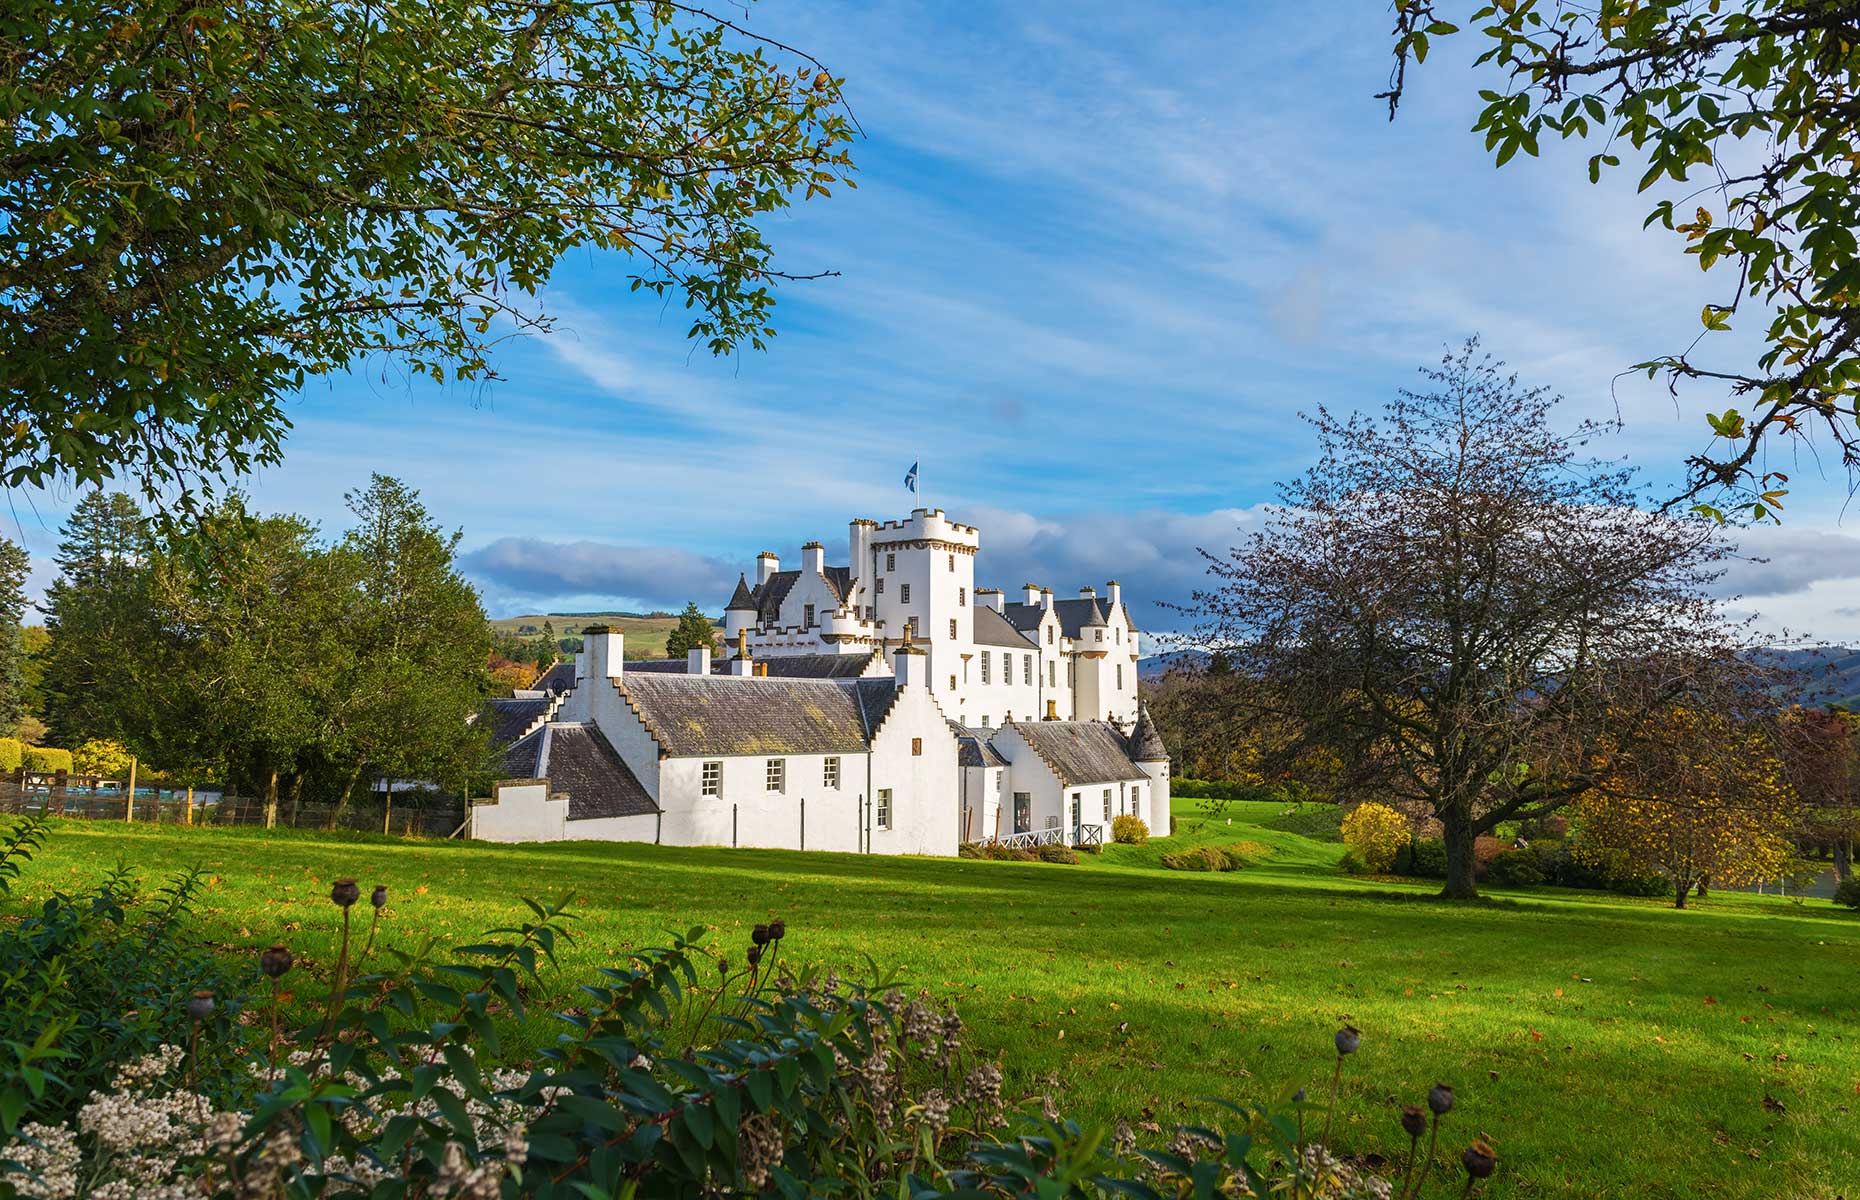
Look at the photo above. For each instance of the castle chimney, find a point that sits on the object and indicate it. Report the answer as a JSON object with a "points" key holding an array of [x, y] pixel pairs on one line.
{"points": [[603, 653], [766, 566], [911, 666], [814, 558], [697, 660], [1052, 710], [992, 597], [1087, 592], [1115, 591], [1032, 591], [1046, 599], [740, 666]]}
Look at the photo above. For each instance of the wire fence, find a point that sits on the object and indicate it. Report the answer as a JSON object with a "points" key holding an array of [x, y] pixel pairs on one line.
{"points": [[405, 813]]}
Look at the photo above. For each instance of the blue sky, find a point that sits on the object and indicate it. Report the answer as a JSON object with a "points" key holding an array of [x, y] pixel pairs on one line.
{"points": [[1099, 257]]}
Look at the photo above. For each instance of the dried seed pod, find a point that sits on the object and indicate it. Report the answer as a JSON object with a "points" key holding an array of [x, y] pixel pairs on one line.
{"points": [[200, 1005], [378, 897], [1413, 1120], [1348, 1039], [345, 892], [1440, 1099], [275, 961], [1480, 1160]]}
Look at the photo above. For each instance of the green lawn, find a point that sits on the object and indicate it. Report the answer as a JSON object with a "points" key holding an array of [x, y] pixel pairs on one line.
{"points": [[1608, 1047]]}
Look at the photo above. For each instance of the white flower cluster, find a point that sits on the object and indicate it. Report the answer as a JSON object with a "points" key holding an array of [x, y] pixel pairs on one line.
{"points": [[1331, 1178], [49, 1155]]}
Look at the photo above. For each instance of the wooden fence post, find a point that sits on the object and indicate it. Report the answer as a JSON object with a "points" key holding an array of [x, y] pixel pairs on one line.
{"points": [[190, 804], [387, 808], [129, 802], [61, 782]]}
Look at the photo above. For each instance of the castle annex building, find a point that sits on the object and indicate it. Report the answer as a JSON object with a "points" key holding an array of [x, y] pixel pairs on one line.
{"points": [[884, 705]]}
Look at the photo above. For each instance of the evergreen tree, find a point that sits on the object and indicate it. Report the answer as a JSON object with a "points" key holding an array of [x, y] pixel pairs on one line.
{"points": [[13, 567], [693, 632], [94, 611]]}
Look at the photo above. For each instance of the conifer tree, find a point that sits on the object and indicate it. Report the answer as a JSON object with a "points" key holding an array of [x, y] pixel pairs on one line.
{"points": [[694, 631]]}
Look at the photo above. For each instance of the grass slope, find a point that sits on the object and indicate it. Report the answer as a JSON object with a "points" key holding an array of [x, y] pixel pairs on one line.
{"points": [[645, 636], [1607, 1046]]}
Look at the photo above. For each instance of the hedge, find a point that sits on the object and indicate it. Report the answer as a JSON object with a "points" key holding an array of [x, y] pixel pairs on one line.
{"points": [[12, 754], [48, 759], [1217, 789]]}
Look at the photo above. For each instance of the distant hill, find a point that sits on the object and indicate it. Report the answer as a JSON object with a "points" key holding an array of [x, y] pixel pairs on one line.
{"points": [[645, 635], [1158, 665]]}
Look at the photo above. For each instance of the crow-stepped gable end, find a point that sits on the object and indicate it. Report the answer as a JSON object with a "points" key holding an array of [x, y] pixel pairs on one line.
{"points": [[881, 706]]}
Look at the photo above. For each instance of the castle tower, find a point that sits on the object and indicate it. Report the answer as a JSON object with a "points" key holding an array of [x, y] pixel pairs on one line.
{"points": [[1149, 753], [739, 616]]}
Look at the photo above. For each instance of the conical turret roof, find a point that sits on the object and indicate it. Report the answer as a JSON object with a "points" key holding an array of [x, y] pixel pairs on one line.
{"points": [[1146, 744], [742, 598]]}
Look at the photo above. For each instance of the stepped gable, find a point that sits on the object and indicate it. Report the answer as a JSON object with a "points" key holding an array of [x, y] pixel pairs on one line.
{"points": [[580, 761], [1080, 752]]}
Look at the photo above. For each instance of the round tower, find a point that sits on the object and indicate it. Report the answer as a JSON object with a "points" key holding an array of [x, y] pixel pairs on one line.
{"points": [[1152, 758], [739, 616]]}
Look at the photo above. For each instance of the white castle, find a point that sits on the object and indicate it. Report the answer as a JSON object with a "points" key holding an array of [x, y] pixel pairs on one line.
{"points": [[886, 705]]}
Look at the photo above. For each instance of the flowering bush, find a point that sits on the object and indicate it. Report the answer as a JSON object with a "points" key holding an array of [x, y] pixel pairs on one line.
{"points": [[1129, 829], [1377, 833], [1053, 852]]}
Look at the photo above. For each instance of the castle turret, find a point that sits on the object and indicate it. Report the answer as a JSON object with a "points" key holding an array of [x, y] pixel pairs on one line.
{"points": [[740, 614], [1152, 757]]}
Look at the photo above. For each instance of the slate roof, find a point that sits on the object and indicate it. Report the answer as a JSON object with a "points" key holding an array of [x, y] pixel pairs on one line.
{"points": [[1073, 615], [780, 666], [518, 760], [581, 761], [768, 596], [507, 719], [693, 716], [1146, 744], [742, 597], [973, 749], [662, 666], [559, 678], [993, 629], [1081, 752]]}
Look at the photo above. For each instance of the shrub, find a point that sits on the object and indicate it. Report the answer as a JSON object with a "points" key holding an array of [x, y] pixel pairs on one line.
{"points": [[12, 754], [1515, 868], [1209, 858], [1089, 848], [969, 850], [1185, 788], [48, 759], [1022, 854], [1848, 892], [1377, 833], [1422, 860], [1128, 829], [1053, 852], [1485, 849], [1352, 864], [1641, 885]]}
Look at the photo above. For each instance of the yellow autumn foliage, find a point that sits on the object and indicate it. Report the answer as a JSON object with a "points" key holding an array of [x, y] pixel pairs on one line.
{"points": [[1377, 833]]}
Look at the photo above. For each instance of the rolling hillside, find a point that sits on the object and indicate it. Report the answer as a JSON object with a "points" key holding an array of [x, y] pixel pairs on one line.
{"points": [[645, 635]]}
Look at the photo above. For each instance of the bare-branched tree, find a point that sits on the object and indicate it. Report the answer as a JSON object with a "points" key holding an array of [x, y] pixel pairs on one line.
{"points": [[1468, 610]]}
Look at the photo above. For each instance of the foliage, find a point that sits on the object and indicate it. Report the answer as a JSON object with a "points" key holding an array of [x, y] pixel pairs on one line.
{"points": [[1376, 833], [94, 610], [694, 631], [1352, 864], [1215, 858], [12, 754], [1422, 859], [1128, 829], [1443, 562], [1706, 800], [14, 566], [1053, 852], [1215, 789], [92, 981], [1848, 892], [48, 759], [1753, 95], [208, 211], [101, 757], [1514, 868], [1820, 753], [507, 675]]}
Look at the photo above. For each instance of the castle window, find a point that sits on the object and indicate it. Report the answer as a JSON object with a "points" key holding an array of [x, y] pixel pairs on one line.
{"points": [[807, 616], [778, 774], [917, 747], [1117, 634], [962, 597], [830, 771], [1100, 634], [1049, 635], [1051, 679], [952, 629], [891, 562], [1107, 804], [904, 593], [952, 562], [1026, 670], [879, 589], [1120, 677], [712, 779], [984, 720], [952, 683], [883, 816], [984, 666]]}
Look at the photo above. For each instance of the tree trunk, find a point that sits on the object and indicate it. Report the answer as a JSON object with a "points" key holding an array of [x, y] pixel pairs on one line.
{"points": [[1702, 888], [342, 805], [1681, 888], [1843, 859], [271, 800], [1462, 880], [297, 795]]}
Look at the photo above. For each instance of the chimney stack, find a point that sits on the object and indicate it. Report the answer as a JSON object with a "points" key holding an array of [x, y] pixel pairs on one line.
{"points": [[697, 660], [1032, 591], [766, 566], [992, 597], [814, 558], [1046, 599], [1115, 591], [1052, 710], [740, 666], [603, 653], [1087, 592], [910, 666]]}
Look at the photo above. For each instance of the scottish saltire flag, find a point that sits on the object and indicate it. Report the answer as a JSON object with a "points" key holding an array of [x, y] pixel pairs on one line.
{"points": [[910, 477]]}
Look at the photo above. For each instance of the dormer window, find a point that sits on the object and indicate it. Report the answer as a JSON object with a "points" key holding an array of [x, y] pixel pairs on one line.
{"points": [[807, 616]]}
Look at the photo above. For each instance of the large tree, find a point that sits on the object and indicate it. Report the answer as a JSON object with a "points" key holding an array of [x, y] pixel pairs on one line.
{"points": [[96, 609], [1461, 605], [1740, 116], [209, 203], [1821, 756], [694, 631], [13, 567]]}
